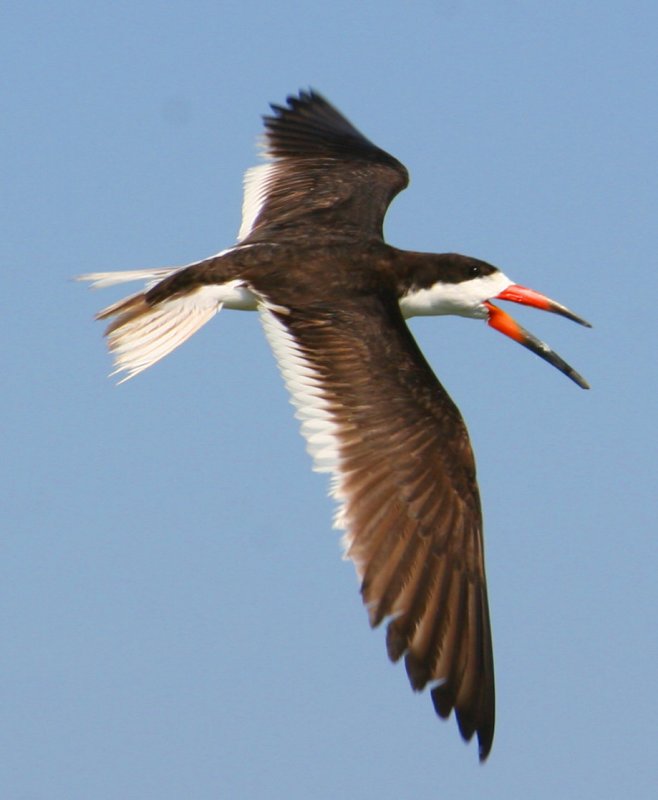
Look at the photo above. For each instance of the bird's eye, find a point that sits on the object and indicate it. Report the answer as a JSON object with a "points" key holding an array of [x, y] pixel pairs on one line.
{"points": [[474, 271]]}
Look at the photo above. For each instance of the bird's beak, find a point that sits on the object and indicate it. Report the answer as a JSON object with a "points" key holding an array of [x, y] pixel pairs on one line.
{"points": [[501, 321]]}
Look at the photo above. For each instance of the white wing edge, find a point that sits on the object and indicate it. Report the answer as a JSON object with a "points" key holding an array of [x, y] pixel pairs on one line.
{"points": [[312, 410], [257, 182]]}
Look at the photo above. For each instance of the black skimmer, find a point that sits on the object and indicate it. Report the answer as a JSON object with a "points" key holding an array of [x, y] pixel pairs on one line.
{"points": [[333, 299]]}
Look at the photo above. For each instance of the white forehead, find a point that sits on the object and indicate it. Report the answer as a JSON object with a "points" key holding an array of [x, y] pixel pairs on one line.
{"points": [[463, 299]]}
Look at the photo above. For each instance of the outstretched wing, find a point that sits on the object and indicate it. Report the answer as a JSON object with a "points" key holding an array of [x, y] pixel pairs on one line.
{"points": [[404, 475], [324, 178]]}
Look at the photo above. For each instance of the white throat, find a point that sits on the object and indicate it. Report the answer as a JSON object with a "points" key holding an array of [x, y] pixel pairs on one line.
{"points": [[465, 299]]}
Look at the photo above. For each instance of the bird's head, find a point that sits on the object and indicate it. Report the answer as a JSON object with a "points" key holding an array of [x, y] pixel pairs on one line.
{"points": [[465, 286]]}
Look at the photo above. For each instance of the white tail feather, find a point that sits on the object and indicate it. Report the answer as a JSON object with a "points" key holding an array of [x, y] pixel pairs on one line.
{"points": [[101, 280], [141, 335], [141, 332]]}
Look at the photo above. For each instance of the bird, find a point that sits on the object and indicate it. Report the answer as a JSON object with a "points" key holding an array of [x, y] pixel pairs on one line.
{"points": [[333, 298]]}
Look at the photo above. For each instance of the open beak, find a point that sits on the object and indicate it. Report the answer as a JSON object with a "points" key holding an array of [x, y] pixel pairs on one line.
{"points": [[501, 321]]}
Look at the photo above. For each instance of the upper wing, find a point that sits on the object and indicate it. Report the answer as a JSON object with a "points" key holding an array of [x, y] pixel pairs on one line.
{"points": [[322, 172], [376, 418]]}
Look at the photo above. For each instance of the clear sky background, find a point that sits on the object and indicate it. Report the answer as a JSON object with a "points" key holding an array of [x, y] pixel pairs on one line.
{"points": [[176, 618]]}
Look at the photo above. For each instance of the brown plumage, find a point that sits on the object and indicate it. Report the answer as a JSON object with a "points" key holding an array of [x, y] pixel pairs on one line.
{"points": [[333, 298]]}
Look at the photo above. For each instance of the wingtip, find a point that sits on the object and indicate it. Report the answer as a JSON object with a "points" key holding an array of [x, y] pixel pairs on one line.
{"points": [[468, 724], [485, 743], [295, 102]]}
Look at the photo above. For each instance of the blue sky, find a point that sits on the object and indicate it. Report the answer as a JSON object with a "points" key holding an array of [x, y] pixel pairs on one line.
{"points": [[176, 616]]}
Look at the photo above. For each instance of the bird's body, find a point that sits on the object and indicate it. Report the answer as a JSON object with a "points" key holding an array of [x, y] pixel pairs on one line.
{"points": [[333, 297]]}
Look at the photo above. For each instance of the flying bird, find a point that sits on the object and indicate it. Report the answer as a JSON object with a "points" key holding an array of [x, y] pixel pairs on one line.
{"points": [[333, 298]]}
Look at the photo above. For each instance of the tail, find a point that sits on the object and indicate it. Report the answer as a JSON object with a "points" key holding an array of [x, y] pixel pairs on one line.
{"points": [[141, 333]]}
